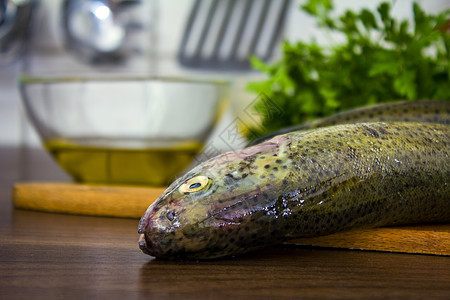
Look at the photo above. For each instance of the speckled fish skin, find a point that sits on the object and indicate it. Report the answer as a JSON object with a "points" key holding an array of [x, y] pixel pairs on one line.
{"points": [[426, 111], [305, 184]]}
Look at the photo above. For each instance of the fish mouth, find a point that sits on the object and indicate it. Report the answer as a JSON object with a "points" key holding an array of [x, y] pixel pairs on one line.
{"points": [[143, 244], [149, 247]]}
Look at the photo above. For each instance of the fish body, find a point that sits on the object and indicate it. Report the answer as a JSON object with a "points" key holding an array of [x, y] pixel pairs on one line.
{"points": [[303, 184], [426, 111]]}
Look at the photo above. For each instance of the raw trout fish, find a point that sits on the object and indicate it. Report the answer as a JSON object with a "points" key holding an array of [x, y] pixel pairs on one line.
{"points": [[429, 111], [303, 184]]}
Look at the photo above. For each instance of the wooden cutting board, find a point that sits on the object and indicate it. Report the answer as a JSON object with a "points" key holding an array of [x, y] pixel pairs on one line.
{"points": [[131, 202], [418, 239], [80, 199]]}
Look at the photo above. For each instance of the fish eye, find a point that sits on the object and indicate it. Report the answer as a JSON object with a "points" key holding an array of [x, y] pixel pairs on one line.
{"points": [[194, 184]]}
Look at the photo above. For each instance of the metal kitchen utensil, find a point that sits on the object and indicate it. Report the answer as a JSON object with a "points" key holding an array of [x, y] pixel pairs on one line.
{"points": [[222, 34], [93, 31], [15, 20]]}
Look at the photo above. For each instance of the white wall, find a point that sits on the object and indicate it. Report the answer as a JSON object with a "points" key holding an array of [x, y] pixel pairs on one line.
{"points": [[166, 22], [11, 121]]}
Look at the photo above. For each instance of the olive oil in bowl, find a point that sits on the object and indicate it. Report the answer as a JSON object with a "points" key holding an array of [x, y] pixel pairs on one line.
{"points": [[123, 161]]}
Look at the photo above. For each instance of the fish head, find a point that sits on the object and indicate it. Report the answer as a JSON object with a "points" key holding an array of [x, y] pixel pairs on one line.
{"points": [[211, 211]]}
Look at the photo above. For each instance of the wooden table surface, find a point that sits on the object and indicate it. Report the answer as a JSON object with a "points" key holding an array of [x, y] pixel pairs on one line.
{"points": [[45, 255]]}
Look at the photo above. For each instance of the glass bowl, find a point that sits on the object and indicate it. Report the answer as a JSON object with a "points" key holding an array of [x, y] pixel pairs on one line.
{"points": [[123, 131]]}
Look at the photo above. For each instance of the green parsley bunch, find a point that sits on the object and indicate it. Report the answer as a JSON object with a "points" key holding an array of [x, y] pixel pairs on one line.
{"points": [[381, 60]]}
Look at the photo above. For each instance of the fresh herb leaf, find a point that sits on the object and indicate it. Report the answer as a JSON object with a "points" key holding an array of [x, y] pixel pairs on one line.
{"points": [[382, 59]]}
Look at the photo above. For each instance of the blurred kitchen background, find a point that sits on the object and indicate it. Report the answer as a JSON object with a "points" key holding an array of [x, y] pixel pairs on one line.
{"points": [[147, 38]]}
